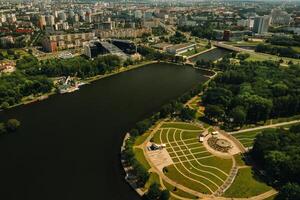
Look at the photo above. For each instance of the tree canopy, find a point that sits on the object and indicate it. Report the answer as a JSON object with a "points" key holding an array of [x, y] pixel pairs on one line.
{"points": [[252, 92], [278, 152]]}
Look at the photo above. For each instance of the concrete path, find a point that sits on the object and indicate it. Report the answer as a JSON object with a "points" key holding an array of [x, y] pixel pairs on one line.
{"points": [[266, 126]]}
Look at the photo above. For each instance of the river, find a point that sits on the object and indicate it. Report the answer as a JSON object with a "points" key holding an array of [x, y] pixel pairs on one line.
{"points": [[211, 55], [67, 147]]}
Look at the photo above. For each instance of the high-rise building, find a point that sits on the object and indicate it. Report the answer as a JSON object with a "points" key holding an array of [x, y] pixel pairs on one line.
{"points": [[49, 20], [42, 21], [279, 17], [94, 48], [2, 18], [261, 24], [62, 16]]}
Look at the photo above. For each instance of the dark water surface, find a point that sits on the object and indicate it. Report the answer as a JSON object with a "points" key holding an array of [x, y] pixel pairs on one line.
{"points": [[211, 55], [68, 145]]}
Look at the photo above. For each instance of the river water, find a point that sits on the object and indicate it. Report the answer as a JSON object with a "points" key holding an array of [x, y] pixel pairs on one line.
{"points": [[211, 55], [68, 145]]}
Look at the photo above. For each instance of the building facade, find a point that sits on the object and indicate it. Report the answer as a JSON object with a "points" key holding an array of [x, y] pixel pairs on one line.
{"points": [[261, 24], [59, 42]]}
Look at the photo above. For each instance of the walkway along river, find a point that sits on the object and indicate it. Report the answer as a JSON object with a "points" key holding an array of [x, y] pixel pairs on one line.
{"points": [[68, 145]]}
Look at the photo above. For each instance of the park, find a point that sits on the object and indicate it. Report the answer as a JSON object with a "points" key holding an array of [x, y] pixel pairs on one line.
{"points": [[194, 161]]}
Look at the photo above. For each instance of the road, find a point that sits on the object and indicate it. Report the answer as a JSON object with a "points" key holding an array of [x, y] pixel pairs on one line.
{"points": [[266, 126]]}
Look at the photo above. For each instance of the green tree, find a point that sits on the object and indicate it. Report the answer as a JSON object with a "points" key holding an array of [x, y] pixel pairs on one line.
{"points": [[289, 191], [187, 114], [4, 105], [12, 125], [238, 115], [154, 192], [214, 113], [165, 195], [2, 129]]}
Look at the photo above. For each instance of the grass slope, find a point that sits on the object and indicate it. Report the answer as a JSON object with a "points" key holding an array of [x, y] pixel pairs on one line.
{"points": [[245, 185]]}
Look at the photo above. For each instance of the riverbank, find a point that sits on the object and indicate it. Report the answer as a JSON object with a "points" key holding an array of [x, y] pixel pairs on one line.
{"points": [[80, 134], [30, 99], [130, 177]]}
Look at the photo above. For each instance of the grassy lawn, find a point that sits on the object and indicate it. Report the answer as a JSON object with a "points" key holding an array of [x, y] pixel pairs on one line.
{"points": [[289, 125], [153, 178], [194, 167], [223, 164], [246, 185], [263, 57], [296, 49], [179, 178], [247, 138], [180, 125], [178, 192], [140, 139], [190, 134], [139, 155], [239, 160], [271, 197], [192, 171], [156, 136], [194, 51], [285, 119]]}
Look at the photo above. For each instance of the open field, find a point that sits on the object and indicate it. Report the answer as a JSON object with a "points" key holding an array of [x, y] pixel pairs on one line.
{"points": [[139, 155], [178, 192], [246, 185], [193, 166], [140, 139], [247, 138], [153, 178], [263, 57], [296, 49]]}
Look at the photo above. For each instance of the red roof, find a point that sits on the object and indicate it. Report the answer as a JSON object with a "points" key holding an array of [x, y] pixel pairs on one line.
{"points": [[24, 30]]}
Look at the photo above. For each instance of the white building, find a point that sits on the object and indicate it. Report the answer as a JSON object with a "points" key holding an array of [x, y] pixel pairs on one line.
{"points": [[2, 18], [180, 48]]}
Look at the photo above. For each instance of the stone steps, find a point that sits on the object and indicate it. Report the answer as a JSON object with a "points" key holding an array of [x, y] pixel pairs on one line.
{"points": [[227, 183]]}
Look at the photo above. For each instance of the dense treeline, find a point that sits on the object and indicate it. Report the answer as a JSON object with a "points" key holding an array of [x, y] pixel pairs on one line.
{"points": [[178, 38], [277, 50], [201, 31], [278, 152], [253, 92], [285, 40], [17, 85], [78, 66], [155, 193], [159, 31], [32, 76]]}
